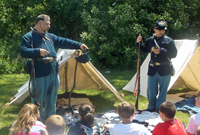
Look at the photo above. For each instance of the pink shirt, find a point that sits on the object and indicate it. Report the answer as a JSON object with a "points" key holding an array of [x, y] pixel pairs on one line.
{"points": [[37, 129]]}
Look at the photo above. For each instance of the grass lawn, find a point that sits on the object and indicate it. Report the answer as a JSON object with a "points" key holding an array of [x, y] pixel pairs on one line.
{"points": [[102, 100]]}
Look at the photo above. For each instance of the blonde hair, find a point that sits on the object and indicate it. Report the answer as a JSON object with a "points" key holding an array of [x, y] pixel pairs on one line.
{"points": [[198, 130], [55, 125], [25, 119]]}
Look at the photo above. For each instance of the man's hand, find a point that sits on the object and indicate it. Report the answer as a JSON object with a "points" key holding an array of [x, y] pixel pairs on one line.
{"points": [[156, 50], [139, 39], [43, 52], [84, 47]]}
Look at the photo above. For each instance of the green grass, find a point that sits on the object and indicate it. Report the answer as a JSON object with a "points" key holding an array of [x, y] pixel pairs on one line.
{"points": [[102, 100], [9, 84]]}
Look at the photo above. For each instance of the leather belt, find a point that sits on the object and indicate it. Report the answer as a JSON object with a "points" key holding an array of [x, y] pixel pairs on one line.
{"points": [[46, 59], [160, 64], [153, 64]]}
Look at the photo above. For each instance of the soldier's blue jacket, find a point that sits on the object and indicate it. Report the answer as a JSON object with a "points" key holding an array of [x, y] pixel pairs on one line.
{"points": [[27, 51], [168, 49]]}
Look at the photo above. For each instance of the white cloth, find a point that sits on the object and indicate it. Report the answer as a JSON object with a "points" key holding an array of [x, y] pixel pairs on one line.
{"points": [[194, 123], [128, 129]]}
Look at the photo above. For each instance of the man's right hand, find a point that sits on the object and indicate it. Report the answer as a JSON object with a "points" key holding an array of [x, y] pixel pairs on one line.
{"points": [[139, 39], [43, 52]]}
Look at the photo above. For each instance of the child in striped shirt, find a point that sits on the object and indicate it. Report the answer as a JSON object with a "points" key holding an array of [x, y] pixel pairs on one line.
{"points": [[27, 123]]}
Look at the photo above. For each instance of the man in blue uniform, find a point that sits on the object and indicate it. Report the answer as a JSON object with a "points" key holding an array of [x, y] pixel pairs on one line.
{"points": [[160, 69], [39, 44]]}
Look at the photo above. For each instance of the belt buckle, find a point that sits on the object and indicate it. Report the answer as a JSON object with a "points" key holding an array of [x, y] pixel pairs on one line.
{"points": [[51, 59], [157, 63]]}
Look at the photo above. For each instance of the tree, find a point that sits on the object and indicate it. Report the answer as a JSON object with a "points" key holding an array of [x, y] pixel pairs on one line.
{"points": [[15, 20], [108, 27], [18, 16], [113, 29]]}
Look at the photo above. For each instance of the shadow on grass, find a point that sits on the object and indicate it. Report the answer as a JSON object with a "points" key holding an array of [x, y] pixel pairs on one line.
{"points": [[102, 104], [4, 130], [175, 91]]}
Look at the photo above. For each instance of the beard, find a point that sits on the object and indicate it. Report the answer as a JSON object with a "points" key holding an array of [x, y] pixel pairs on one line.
{"points": [[44, 31]]}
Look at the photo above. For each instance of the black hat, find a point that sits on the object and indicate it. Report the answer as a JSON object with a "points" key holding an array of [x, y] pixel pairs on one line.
{"points": [[161, 24]]}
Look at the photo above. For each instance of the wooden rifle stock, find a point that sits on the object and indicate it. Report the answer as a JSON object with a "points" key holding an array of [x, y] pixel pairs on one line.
{"points": [[137, 82]]}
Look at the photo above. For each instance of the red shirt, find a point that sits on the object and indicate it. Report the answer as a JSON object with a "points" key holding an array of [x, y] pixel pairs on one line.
{"points": [[174, 127]]}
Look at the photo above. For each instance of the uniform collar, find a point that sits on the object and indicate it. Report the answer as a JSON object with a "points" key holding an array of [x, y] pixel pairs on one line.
{"points": [[38, 33], [154, 37]]}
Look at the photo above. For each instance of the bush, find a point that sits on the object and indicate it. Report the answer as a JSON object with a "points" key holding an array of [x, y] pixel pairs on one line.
{"points": [[113, 29]]}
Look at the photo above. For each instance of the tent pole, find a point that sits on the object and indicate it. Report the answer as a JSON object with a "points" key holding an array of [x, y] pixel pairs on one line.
{"points": [[66, 84]]}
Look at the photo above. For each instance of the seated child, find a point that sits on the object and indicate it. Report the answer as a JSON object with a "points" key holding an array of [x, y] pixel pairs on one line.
{"points": [[194, 122], [55, 125], [27, 122], [171, 126], [126, 112], [85, 126]]}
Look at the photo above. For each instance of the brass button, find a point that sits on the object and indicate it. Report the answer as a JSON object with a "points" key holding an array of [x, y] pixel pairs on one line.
{"points": [[155, 55]]}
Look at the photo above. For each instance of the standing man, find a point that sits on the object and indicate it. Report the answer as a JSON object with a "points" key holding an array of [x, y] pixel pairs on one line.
{"points": [[39, 44], [159, 71]]}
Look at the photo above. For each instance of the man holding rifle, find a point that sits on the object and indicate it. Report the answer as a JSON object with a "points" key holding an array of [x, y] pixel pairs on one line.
{"points": [[162, 49], [39, 45]]}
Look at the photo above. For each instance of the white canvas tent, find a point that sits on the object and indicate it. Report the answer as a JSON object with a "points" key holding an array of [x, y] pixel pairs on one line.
{"points": [[186, 64], [87, 77]]}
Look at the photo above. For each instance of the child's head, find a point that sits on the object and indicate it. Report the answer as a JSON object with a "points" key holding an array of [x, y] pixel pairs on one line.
{"points": [[26, 117], [126, 110], [55, 125], [198, 130], [29, 111], [198, 99], [86, 114], [168, 109]]}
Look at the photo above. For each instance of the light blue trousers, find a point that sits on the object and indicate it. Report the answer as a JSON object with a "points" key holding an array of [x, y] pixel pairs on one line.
{"points": [[157, 85], [46, 90]]}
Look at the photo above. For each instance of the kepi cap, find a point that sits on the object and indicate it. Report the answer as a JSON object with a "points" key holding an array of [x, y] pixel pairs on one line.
{"points": [[161, 24]]}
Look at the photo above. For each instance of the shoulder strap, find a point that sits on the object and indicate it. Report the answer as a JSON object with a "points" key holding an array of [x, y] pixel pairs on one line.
{"points": [[31, 41], [43, 36], [49, 39]]}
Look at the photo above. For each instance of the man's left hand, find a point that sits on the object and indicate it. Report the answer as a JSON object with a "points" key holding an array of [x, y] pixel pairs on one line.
{"points": [[84, 47], [156, 50]]}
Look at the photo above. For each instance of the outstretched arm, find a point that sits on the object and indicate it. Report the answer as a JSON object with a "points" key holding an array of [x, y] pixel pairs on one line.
{"points": [[84, 47]]}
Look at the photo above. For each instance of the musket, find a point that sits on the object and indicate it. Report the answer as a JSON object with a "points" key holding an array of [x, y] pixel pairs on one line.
{"points": [[32, 76], [34, 82], [137, 82]]}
